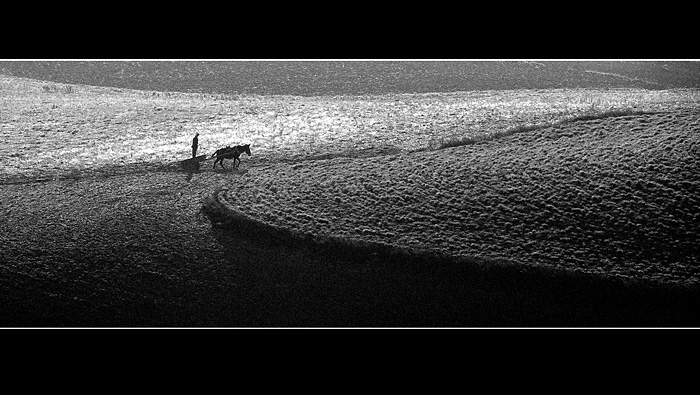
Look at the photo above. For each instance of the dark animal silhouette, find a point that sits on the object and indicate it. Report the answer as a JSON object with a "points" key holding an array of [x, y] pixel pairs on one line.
{"points": [[230, 153]]}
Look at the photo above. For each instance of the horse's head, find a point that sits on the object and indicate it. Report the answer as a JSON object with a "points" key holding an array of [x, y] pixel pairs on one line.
{"points": [[247, 149]]}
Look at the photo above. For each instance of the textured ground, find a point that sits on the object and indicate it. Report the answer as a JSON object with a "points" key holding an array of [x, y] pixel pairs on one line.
{"points": [[615, 195], [100, 228], [314, 78], [78, 253], [55, 130]]}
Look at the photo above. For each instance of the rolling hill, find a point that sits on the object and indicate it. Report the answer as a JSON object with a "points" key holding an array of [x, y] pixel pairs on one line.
{"points": [[609, 196], [308, 78], [584, 223]]}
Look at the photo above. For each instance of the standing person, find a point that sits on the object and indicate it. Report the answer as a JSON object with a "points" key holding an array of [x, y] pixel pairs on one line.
{"points": [[195, 143]]}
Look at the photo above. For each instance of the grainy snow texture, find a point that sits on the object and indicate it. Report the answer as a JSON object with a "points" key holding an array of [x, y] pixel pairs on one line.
{"points": [[101, 226], [56, 130], [615, 195]]}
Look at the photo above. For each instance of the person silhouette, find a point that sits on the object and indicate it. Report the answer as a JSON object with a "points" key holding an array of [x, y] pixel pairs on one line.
{"points": [[195, 143]]}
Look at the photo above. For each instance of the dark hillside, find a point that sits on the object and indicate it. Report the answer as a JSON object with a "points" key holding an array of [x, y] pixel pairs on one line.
{"points": [[610, 196], [359, 77], [127, 251]]}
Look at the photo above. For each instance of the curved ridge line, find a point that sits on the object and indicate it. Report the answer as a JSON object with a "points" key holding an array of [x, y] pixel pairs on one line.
{"points": [[362, 251]]}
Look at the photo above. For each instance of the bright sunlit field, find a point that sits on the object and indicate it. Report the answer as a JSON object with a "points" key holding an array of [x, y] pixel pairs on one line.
{"points": [[56, 130]]}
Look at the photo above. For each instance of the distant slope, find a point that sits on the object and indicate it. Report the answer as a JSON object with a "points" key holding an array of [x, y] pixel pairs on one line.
{"points": [[360, 77], [614, 196]]}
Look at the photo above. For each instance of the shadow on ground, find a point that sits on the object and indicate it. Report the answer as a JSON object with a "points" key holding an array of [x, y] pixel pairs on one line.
{"points": [[214, 274], [301, 284], [268, 284]]}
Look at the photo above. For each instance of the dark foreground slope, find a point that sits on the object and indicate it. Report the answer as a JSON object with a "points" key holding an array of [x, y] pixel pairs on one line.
{"points": [[612, 196], [77, 254], [360, 77]]}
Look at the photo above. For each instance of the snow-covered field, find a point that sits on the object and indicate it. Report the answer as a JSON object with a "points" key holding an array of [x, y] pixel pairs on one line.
{"points": [[53, 130], [606, 196]]}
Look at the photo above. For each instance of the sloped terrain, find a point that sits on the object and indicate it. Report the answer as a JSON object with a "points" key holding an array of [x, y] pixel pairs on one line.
{"points": [[56, 131], [610, 196], [313, 78], [133, 250], [101, 228]]}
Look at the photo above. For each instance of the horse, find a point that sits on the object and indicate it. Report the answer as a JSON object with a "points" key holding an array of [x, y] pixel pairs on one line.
{"points": [[230, 153]]}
